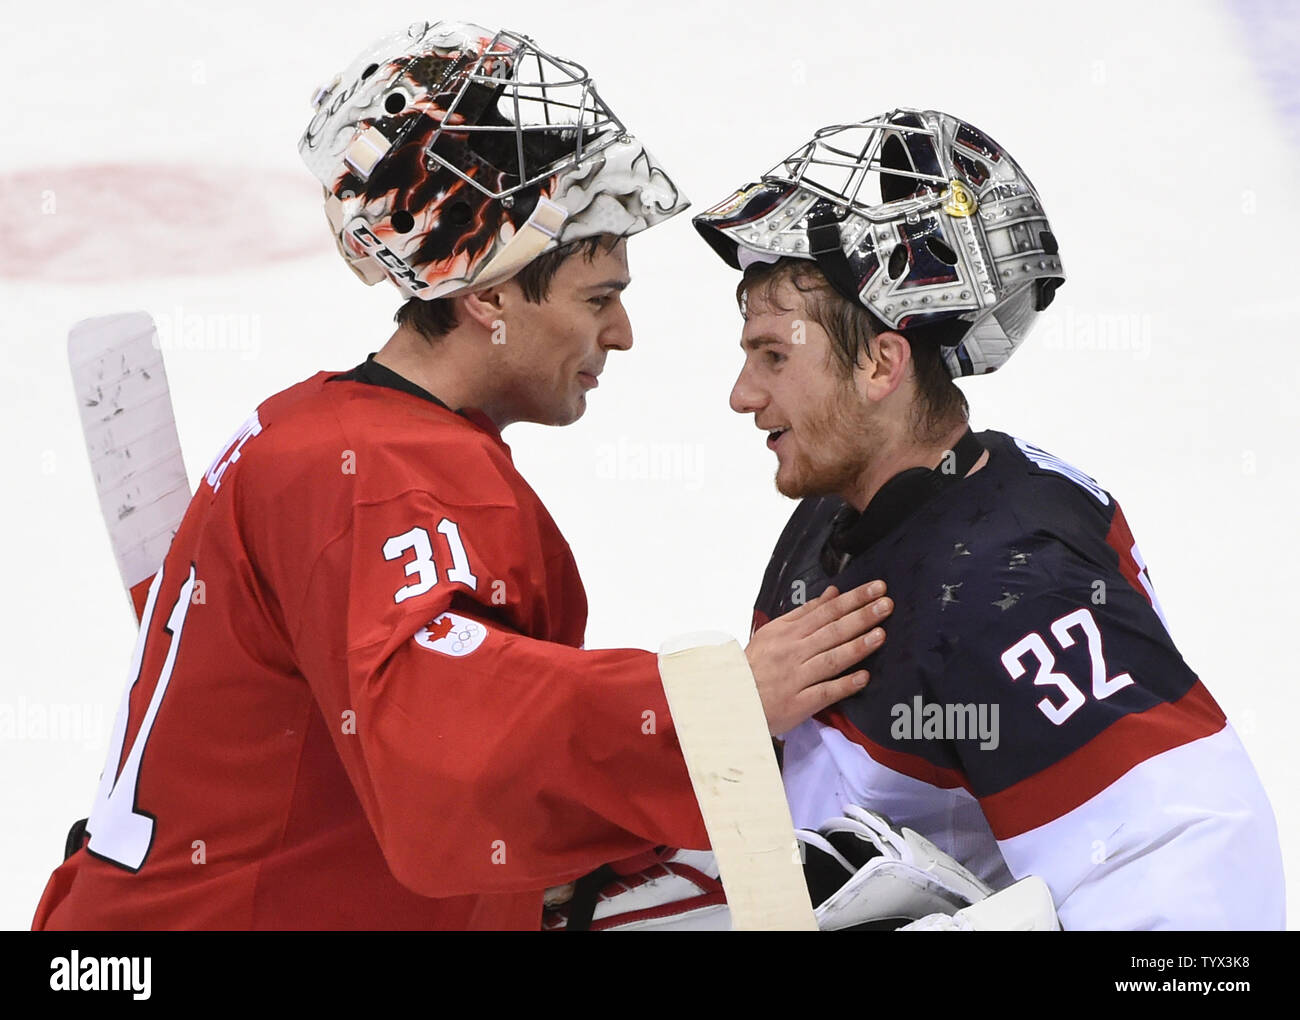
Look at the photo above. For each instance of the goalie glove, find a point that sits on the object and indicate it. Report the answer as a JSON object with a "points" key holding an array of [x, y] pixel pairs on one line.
{"points": [[1025, 906], [864, 875]]}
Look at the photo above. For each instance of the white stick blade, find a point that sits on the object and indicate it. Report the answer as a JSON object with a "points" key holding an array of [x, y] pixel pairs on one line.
{"points": [[724, 739], [135, 454]]}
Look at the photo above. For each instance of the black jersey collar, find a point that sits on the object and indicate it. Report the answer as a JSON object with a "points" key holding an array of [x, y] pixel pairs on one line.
{"points": [[899, 498], [371, 371]]}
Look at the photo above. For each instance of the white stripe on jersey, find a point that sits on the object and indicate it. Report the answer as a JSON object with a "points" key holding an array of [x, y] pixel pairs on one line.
{"points": [[824, 770], [1185, 840]]}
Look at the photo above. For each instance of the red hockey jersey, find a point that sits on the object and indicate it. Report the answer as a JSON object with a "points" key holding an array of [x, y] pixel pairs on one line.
{"points": [[359, 699]]}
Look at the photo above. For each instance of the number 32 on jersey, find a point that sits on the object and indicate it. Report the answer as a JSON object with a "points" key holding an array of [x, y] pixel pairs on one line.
{"points": [[1046, 676]]}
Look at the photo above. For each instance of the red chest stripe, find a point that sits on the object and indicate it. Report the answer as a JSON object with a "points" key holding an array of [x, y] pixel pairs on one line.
{"points": [[1076, 778], [1081, 775], [900, 761]]}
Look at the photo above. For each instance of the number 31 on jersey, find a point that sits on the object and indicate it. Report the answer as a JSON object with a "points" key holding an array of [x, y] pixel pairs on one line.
{"points": [[422, 566]]}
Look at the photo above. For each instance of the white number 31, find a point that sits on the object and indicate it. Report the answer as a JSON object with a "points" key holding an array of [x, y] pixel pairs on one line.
{"points": [[1080, 619], [422, 567]]}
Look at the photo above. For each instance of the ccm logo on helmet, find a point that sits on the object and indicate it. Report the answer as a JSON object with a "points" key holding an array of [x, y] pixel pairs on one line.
{"points": [[367, 239]]}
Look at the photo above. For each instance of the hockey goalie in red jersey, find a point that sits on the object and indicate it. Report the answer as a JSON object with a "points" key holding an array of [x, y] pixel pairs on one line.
{"points": [[359, 698]]}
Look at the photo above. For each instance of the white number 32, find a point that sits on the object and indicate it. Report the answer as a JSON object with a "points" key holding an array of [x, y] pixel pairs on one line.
{"points": [[1080, 619]]}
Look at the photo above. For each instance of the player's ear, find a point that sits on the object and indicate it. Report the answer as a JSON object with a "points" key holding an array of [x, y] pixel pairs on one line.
{"points": [[882, 370], [482, 306]]}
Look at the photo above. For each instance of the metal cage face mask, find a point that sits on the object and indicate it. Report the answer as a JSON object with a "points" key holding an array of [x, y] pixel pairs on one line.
{"points": [[547, 116], [916, 215], [451, 156]]}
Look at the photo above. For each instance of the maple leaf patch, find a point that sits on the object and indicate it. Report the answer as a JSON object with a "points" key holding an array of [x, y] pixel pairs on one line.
{"points": [[451, 634]]}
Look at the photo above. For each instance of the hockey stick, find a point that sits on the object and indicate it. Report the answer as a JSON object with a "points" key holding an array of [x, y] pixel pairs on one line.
{"points": [[724, 739], [130, 431]]}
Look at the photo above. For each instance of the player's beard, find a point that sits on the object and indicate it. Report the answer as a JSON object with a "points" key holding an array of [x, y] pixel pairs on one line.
{"points": [[832, 447]]}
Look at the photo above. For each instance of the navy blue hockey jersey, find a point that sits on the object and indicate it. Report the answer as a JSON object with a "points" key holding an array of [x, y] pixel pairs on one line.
{"points": [[1029, 711]]}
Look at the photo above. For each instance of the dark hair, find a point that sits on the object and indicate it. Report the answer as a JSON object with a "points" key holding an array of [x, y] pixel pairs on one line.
{"points": [[851, 327], [436, 318]]}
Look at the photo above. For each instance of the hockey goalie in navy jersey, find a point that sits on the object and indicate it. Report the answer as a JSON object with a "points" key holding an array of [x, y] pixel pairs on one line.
{"points": [[1029, 713]]}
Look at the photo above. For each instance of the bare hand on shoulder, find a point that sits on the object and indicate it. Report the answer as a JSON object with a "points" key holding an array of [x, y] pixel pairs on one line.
{"points": [[797, 659]]}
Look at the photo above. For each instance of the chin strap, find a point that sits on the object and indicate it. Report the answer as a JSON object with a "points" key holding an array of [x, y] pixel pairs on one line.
{"points": [[898, 499], [825, 247], [529, 241]]}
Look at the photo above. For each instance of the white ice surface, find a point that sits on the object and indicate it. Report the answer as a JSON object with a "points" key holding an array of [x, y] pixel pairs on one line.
{"points": [[1166, 171]]}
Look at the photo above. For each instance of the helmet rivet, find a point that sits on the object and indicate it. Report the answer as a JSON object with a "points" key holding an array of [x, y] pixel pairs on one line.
{"points": [[906, 302], [965, 294], [1042, 264], [925, 300], [1006, 272], [889, 308], [944, 297]]}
